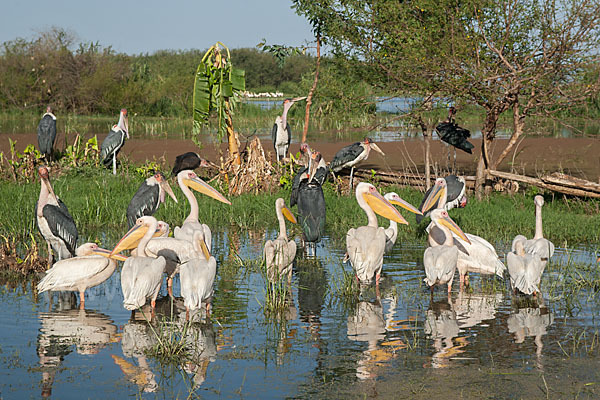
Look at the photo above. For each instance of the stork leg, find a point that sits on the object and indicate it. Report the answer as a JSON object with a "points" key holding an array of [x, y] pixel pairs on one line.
{"points": [[114, 163], [49, 256], [187, 314], [351, 174], [170, 286], [82, 300], [208, 308]]}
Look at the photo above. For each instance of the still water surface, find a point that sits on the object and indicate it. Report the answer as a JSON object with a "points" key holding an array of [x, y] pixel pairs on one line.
{"points": [[398, 344]]}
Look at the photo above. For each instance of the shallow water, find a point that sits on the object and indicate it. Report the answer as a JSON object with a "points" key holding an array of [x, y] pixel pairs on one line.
{"points": [[400, 343]]}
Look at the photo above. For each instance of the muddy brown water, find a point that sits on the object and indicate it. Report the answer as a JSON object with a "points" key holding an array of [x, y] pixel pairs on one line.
{"points": [[577, 156]]}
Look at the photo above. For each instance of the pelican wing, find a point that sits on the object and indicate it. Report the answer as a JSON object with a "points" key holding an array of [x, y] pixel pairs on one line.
{"points": [[365, 246], [146, 282], [525, 272], [70, 272], [440, 264], [540, 247], [197, 281], [279, 255], [186, 232], [482, 256]]}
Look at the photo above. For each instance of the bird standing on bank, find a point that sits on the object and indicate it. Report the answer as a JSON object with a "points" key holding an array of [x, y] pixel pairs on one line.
{"points": [[46, 134], [54, 221], [148, 197], [351, 155], [115, 140], [281, 132]]}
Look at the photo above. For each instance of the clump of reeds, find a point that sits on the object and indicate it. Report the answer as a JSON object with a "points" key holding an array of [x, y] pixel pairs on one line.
{"points": [[26, 262]]}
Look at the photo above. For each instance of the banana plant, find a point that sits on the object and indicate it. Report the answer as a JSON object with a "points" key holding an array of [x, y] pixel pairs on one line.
{"points": [[215, 84]]}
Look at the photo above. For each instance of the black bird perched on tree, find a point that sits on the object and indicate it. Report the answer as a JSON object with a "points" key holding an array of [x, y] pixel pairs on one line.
{"points": [[115, 140], [46, 133], [189, 160], [281, 132], [454, 135], [54, 221], [455, 196], [148, 198], [307, 193], [352, 154]]}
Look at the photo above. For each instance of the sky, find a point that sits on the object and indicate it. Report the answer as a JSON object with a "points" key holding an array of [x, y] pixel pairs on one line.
{"points": [[134, 27]]}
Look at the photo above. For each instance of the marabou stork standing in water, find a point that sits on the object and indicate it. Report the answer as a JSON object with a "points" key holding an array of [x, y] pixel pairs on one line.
{"points": [[307, 193], [455, 196], [189, 160], [281, 132], [352, 154], [54, 221], [115, 140], [148, 197], [454, 135], [46, 133]]}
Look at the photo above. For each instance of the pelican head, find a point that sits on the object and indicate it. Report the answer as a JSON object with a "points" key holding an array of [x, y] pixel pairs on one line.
{"points": [[440, 217], [367, 193], [280, 205], [92, 249], [135, 234], [124, 122], [368, 142], [162, 230], [190, 179], [164, 184], [438, 193], [393, 198]]}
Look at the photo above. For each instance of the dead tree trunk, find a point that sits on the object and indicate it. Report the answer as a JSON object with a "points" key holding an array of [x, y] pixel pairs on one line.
{"points": [[312, 90], [518, 124]]}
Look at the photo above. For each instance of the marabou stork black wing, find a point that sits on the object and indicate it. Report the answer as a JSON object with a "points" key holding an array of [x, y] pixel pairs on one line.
{"points": [[345, 155], [61, 224], [189, 160], [274, 134], [296, 186], [46, 133], [144, 202], [455, 136], [111, 145], [321, 175]]}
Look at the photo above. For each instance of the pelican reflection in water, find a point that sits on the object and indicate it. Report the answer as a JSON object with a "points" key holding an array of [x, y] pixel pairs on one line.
{"points": [[138, 338]]}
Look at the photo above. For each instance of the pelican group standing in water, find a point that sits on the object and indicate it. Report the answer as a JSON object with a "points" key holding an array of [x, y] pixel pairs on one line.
{"points": [[54, 221], [148, 197], [475, 255], [365, 245], [141, 275], [280, 253], [115, 140], [46, 134], [91, 266]]}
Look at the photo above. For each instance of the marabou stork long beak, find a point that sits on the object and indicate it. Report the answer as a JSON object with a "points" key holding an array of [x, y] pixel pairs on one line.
{"points": [[313, 165], [107, 253], [131, 239], [288, 214], [124, 122], [164, 184], [200, 186], [295, 99], [439, 191], [450, 224], [377, 149], [383, 207], [399, 201]]}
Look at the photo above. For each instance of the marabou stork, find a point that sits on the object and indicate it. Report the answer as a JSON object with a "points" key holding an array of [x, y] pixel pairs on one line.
{"points": [[115, 140], [197, 277], [475, 255], [141, 275], [46, 133], [188, 179], [189, 160], [365, 245], [440, 260], [279, 254], [525, 270], [54, 221], [91, 266], [281, 132], [307, 193], [539, 245], [148, 197], [352, 154], [454, 135], [455, 196]]}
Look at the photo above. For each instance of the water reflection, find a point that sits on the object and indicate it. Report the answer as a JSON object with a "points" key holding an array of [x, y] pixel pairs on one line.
{"points": [[201, 349], [472, 309], [312, 288], [89, 331], [138, 338], [441, 325], [530, 319]]}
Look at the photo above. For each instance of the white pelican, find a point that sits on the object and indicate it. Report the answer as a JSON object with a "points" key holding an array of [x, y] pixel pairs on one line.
{"points": [[391, 233], [188, 179], [54, 221], [477, 255], [539, 245], [197, 277], [279, 253], [91, 266], [365, 245], [141, 275], [440, 261], [525, 269]]}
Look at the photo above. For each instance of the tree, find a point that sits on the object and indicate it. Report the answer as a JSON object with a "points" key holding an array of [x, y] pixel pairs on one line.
{"points": [[527, 56], [214, 87]]}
